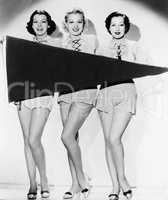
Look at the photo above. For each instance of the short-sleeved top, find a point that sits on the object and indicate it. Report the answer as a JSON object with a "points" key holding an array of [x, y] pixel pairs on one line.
{"points": [[48, 40], [128, 50]]}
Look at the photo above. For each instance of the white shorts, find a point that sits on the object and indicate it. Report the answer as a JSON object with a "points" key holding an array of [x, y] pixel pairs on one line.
{"points": [[84, 96], [39, 102], [120, 97]]}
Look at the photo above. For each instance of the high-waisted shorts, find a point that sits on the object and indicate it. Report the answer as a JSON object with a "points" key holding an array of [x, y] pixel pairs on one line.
{"points": [[39, 102], [84, 96], [121, 97]]}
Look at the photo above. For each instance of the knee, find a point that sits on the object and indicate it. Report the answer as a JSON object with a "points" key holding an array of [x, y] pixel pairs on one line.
{"points": [[114, 141], [34, 142], [66, 139], [26, 142], [111, 142], [107, 143]]}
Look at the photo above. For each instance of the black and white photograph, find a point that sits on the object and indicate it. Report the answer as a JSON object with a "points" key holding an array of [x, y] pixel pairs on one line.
{"points": [[83, 100]]}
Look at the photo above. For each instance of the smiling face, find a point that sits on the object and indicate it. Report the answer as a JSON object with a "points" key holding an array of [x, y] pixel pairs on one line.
{"points": [[117, 27], [75, 24], [40, 25]]}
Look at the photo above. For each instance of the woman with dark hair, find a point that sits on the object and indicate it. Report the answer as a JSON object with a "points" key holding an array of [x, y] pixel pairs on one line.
{"points": [[51, 24], [116, 102], [76, 106], [33, 113]]}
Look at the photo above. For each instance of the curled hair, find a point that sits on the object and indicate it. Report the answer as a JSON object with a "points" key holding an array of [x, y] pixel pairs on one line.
{"points": [[74, 11], [51, 24], [117, 14]]}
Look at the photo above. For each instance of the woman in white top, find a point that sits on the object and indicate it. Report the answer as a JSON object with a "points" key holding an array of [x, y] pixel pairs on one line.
{"points": [[33, 113], [116, 102], [76, 106]]}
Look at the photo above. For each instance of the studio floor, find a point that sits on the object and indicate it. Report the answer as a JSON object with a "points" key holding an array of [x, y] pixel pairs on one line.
{"points": [[18, 192]]}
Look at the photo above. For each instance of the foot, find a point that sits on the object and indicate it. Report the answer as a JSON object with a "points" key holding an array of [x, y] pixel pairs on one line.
{"points": [[32, 194], [45, 194], [113, 196], [86, 192], [74, 190], [85, 187], [128, 194], [68, 195]]}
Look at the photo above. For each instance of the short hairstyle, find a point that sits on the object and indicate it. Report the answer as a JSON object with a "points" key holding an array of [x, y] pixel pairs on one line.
{"points": [[74, 11], [117, 14], [51, 24]]}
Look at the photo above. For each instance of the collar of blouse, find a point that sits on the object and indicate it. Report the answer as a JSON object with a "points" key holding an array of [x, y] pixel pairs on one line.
{"points": [[41, 40], [119, 45], [75, 44]]}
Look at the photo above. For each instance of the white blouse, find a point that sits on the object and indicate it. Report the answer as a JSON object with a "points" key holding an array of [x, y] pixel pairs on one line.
{"points": [[129, 51], [87, 44]]}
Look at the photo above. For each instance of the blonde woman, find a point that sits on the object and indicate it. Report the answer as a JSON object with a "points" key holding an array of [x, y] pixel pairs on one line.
{"points": [[75, 107]]}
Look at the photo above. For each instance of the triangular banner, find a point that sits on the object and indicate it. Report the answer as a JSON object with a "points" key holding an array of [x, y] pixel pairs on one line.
{"points": [[34, 67]]}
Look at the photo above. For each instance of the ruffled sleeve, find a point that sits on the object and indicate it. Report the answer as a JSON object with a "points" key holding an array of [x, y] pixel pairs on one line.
{"points": [[141, 55]]}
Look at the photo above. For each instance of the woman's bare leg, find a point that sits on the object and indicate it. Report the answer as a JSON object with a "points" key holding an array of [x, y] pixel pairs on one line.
{"points": [[106, 122], [120, 122], [77, 115], [38, 121], [64, 110], [25, 117]]}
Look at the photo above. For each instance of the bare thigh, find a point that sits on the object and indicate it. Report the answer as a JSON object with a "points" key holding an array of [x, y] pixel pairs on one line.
{"points": [[24, 115], [114, 123], [64, 111], [120, 121], [38, 120], [76, 117]]}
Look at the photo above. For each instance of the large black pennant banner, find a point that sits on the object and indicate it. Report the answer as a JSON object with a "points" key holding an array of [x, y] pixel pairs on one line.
{"points": [[35, 69]]}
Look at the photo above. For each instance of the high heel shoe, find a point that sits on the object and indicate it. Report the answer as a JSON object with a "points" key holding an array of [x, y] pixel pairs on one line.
{"points": [[45, 194], [32, 195], [113, 196], [70, 195], [86, 192], [128, 194]]}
